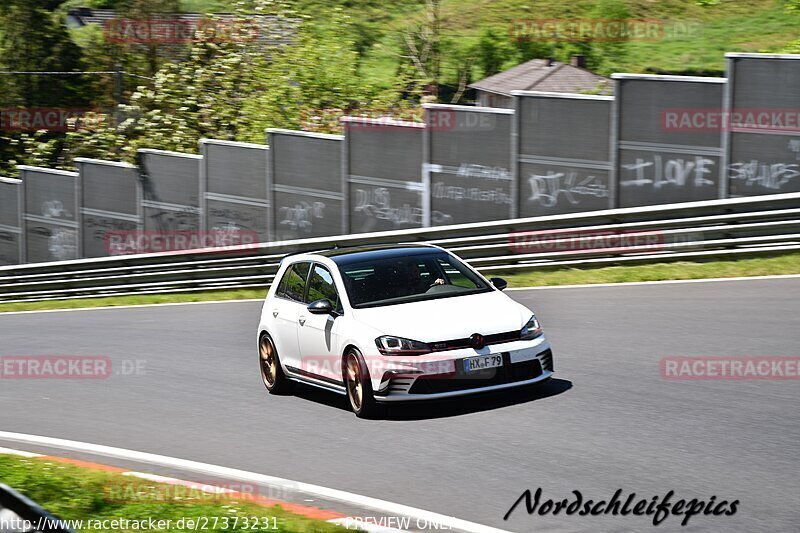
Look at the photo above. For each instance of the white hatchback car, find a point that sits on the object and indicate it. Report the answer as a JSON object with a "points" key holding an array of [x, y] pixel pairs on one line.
{"points": [[395, 323]]}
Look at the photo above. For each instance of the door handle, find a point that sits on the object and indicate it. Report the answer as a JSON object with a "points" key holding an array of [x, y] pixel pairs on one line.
{"points": [[302, 320], [274, 313]]}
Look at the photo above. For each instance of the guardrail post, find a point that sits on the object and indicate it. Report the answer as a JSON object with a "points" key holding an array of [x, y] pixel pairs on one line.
{"points": [[346, 201], [725, 142], [426, 173], [613, 148], [514, 163]]}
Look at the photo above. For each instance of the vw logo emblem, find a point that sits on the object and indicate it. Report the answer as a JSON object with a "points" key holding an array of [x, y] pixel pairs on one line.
{"points": [[476, 341]]}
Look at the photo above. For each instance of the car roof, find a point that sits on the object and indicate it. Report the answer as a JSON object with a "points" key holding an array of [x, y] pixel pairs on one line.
{"points": [[358, 254]]}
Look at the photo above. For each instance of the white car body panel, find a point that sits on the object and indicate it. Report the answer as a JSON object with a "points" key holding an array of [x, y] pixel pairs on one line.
{"points": [[447, 318], [306, 341]]}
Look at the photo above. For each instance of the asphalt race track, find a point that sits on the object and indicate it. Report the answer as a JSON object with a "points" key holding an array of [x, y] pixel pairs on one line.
{"points": [[608, 422]]}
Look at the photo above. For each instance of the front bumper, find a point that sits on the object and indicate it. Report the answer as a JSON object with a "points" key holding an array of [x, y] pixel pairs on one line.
{"points": [[524, 363]]}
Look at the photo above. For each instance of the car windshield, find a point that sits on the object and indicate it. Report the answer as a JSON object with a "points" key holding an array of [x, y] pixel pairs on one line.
{"points": [[412, 278]]}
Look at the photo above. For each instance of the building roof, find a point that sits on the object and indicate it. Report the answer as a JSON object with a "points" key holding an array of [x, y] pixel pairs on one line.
{"points": [[545, 75]]}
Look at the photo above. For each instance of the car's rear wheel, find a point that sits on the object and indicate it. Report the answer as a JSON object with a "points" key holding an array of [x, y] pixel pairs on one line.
{"points": [[271, 372], [359, 387]]}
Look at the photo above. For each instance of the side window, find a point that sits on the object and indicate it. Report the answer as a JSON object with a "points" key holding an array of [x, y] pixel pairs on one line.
{"points": [[321, 286], [281, 292], [456, 275], [295, 281]]}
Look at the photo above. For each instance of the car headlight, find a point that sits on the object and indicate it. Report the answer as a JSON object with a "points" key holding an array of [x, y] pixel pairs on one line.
{"points": [[531, 330], [389, 345]]}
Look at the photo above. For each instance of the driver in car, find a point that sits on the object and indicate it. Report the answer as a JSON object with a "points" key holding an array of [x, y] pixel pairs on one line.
{"points": [[415, 282]]}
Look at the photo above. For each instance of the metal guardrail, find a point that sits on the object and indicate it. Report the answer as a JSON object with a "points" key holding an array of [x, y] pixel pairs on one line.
{"points": [[739, 227]]}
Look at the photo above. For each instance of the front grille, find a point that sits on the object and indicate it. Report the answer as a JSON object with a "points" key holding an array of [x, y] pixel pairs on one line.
{"points": [[546, 358], [508, 373], [494, 338]]}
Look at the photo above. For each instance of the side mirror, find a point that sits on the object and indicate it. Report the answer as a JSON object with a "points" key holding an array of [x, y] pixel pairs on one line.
{"points": [[499, 283], [320, 307]]}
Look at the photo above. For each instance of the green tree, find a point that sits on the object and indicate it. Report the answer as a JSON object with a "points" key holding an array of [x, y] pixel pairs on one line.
{"points": [[527, 49], [421, 48], [458, 71], [603, 55], [226, 90], [492, 52], [151, 52], [34, 38]]}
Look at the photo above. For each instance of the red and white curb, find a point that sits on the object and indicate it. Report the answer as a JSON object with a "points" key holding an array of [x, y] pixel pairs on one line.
{"points": [[9, 451], [432, 521], [302, 510], [348, 522]]}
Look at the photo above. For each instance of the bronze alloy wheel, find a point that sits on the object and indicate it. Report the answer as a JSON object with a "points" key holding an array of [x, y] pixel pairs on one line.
{"points": [[270, 365], [355, 389], [268, 361], [359, 386]]}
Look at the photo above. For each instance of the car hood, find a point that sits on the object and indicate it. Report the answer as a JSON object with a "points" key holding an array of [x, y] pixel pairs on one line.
{"points": [[455, 317]]}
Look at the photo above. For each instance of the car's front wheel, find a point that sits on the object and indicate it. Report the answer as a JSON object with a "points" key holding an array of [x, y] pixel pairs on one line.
{"points": [[359, 387], [271, 372]]}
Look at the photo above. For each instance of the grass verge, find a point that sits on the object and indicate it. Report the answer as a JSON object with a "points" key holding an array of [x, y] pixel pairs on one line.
{"points": [[763, 266], [760, 266], [143, 299], [77, 493]]}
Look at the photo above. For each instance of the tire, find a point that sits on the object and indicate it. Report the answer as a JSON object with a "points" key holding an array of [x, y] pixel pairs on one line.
{"points": [[270, 366], [358, 386]]}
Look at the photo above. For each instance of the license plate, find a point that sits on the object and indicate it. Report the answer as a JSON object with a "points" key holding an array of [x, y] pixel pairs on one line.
{"points": [[482, 362]]}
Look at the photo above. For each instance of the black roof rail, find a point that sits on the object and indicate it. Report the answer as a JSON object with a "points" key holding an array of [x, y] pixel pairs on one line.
{"points": [[358, 247], [290, 254]]}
